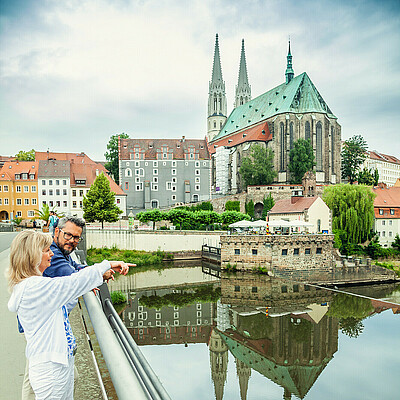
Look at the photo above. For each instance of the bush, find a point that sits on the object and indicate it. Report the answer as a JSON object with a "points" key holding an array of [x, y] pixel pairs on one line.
{"points": [[117, 297], [232, 205]]}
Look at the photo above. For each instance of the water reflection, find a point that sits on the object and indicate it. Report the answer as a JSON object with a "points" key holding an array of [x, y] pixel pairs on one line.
{"points": [[286, 331]]}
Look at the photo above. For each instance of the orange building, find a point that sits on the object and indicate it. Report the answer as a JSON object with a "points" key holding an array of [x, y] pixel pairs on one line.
{"points": [[18, 190]]}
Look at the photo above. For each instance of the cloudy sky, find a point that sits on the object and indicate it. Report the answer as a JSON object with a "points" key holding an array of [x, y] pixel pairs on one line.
{"points": [[74, 72]]}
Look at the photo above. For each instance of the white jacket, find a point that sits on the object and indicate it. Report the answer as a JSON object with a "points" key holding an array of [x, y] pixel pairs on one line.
{"points": [[38, 302]]}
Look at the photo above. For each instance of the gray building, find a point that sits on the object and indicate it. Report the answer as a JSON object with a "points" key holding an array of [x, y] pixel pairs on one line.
{"points": [[158, 173]]}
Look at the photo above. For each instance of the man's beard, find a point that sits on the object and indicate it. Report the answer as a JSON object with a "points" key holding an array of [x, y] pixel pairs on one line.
{"points": [[63, 250]]}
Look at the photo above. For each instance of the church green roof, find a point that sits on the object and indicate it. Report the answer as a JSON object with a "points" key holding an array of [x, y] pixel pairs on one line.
{"points": [[298, 96]]}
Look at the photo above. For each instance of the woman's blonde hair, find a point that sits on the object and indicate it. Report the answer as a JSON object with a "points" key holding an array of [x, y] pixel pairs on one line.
{"points": [[26, 255]]}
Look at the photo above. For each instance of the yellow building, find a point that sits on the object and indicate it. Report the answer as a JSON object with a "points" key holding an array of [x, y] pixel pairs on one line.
{"points": [[18, 190]]}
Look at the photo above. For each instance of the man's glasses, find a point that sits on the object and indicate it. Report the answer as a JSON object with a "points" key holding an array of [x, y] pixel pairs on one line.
{"points": [[69, 236]]}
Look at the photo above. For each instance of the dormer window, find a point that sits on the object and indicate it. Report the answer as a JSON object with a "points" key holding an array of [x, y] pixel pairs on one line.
{"points": [[24, 176], [17, 177]]}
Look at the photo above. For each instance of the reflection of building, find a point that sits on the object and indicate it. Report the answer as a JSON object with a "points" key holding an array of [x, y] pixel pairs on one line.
{"points": [[280, 329], [168, 324], [218, 363]]}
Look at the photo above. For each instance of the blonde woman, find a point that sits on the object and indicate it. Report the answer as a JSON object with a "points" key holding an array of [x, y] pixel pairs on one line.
{"points": [[41, 306]]}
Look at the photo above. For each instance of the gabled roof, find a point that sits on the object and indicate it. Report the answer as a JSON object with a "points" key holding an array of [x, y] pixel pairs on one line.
{"points": [[257, 133], [298, 96], [73, 157], [285, 206], [374, 155], [11, 168], [387, 196], [150, 147], [54, 168]]}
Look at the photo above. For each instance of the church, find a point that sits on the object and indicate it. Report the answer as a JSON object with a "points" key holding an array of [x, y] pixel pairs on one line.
{"points": [[276, 119]]}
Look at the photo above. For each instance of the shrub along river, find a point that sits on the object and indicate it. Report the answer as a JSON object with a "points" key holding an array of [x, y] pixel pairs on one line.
{"points": [[248, 336]]}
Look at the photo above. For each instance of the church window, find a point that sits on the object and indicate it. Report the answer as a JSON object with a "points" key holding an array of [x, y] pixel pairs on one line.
{"points": [[307, 133], [220, 104], [291, 127], [333, 148], [282, 139], [128, 172], [215, 103], [319, 146], [215, 124]]}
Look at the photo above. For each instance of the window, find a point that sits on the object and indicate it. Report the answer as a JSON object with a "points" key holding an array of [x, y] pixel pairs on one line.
{"points": [[74, 204], [174, 188], [18, 189], [24, 176], [380, 211], [74, 193], [126, 185], [319, 146], [390, 233], [19, 214], [31, 214], [319, 250], [295, 288], [118, 201], [137, 180], [80, 204], [26, 189], [65, 204], [383, 222], [284, 252], [197, 164], [197, 180], [137, 163], [254, 289], [50, 181], [169, 186], [155, 163], [51, 203], [26, 202], [154, 186], [383, 233], [173, 180], [33, 189], [307, 251], [391, 211], [173, 172], [296, 252], [0, 201], [282, 145], [19, 202], [64, 192], [43, 192], [57, 192], [237, 251], [254, 252], [284, 289], [128, 172], [57, 182], [5, 187], [64, 182], [58, 203], [31, 176], [155, 171], [43, 182], [81, 193], [6, 202], [155, 179], [197, 172], [0, 188], [237, 288], [308, 130], [195, 197], [139, 187], [34, 202], [197, 187], [173, 164], [173, 197], [51, 192], [17, 177]]}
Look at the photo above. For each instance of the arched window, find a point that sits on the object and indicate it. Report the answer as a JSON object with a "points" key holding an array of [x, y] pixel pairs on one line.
{"points": [[128, 172], [220, 104], [215, 103], [195, 197], [307, 135], [215, 124], [154, 204], [333, 148], [291, 128], [282, 139], [319, 146]]}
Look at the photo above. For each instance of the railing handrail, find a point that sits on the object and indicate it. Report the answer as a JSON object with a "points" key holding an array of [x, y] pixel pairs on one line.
{"points": [[125, 381]]}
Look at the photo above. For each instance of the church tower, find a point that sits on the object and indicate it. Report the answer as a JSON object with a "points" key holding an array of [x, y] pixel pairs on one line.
{"points": [[243, 91], [219, 363], [216, 97], [289, 70]]}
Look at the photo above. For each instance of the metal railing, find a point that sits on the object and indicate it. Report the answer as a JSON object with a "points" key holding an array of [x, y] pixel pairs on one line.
{"points": [[131, 374]]}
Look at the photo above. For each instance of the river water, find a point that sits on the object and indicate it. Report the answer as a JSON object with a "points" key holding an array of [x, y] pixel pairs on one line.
{"points": [[247, 336]]}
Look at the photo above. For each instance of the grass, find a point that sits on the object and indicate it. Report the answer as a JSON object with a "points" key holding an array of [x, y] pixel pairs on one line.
{"points": [[394, 267]]}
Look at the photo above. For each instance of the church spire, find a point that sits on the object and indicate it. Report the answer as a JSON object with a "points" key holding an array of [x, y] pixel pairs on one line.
{"points": [[289, 70], [243, 90], [216, 97]]}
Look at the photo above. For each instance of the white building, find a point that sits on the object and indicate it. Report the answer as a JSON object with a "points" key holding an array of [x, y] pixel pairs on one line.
{"points": [[388, 166]]}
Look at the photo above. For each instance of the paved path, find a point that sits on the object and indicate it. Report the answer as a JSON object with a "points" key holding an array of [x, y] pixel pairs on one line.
{"points": [[12, 344]]}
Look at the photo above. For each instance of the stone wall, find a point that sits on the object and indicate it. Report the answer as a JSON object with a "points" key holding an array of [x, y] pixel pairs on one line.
{"points": [[289, 252]]}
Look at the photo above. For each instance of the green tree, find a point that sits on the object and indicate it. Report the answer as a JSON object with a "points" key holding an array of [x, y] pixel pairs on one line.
{"points": [[205, 205], [353, 155], [229, 217], [99, 202], [232, 205], [366, 177], [376, 177], [111, 155], [154, 215], [178, 216], [268, 203], [258, 168], [352, 208], [44, 213], [25, 155], [206, 217], [396, 242], [301, 160], [249, 207]]}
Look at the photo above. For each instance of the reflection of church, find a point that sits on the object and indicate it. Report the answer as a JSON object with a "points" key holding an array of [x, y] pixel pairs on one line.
{"points": [[291, 346], [276, 119]]}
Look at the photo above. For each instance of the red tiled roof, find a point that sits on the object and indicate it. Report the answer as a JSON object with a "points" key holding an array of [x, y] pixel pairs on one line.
{"points": [[150, 147], [11, 168], [258, 133], [387, 198], [73, 157], [286, 206], [374, 155]]}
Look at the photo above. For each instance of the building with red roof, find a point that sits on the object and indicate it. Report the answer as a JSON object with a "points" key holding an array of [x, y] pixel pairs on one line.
{"points": [[387, 213], [388, 167]]}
